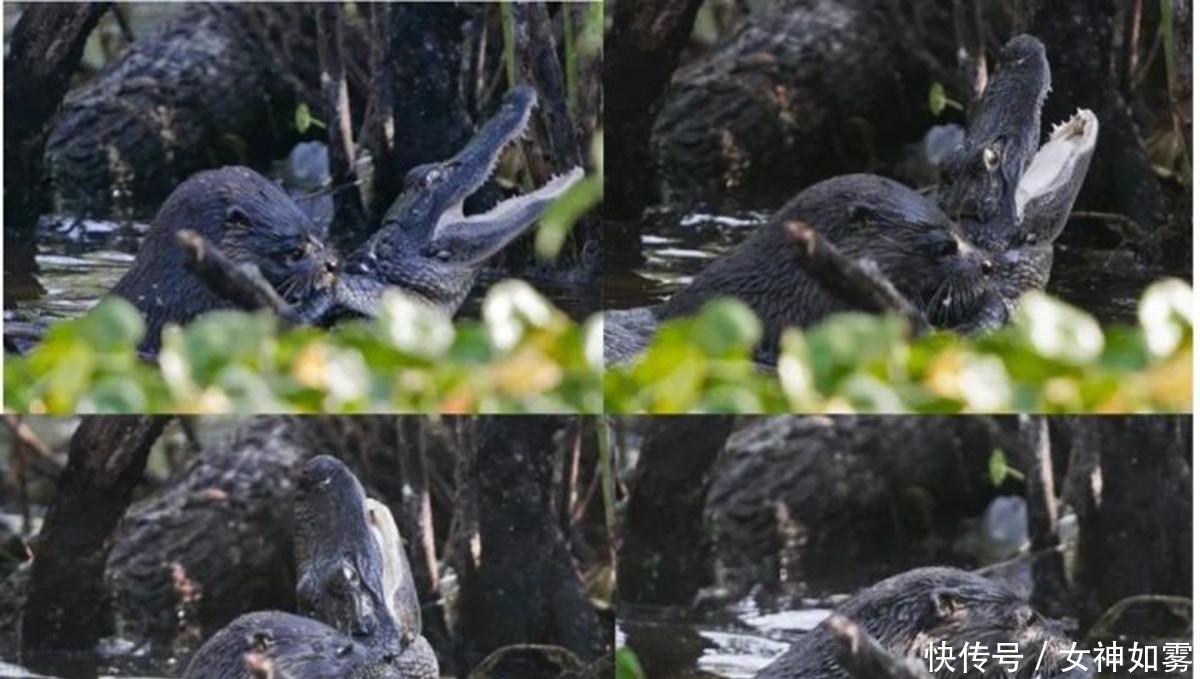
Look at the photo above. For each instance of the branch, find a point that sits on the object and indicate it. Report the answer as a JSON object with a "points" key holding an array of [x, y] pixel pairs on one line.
{"points": [[348, 209], [860, 285], [864, 658], [244, 287]]}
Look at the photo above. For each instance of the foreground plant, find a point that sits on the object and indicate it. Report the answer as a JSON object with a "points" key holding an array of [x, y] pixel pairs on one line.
{"points": [[1052, 358], [524, 355]]}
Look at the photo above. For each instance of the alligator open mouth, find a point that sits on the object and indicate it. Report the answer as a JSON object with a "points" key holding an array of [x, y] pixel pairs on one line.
{"points": [[1051, 182], [427, 246]]}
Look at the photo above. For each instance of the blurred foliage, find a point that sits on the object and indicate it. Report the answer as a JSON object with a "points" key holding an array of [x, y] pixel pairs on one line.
{"points": [[523, 356], [628, 666], [561, 216], [1052, 358]]}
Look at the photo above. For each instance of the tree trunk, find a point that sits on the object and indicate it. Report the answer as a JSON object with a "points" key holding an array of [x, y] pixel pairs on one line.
{"points": [[66, 608], [44, 53], [666, 554], [519, 584], [1130, 483], [641, 52]]}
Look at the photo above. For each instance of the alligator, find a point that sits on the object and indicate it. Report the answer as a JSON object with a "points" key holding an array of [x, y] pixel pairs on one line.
{"points": [[1011, 197], [1003, 199], [426, 245], [354, 591]]}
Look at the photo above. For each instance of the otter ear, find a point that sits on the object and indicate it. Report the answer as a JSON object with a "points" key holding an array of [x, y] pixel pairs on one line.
{"points": [[262, 642], [236, 217], [858, 212], [946, 603]]}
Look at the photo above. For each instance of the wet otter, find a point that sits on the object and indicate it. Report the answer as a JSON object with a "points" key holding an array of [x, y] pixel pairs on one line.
{"points": [[865, 216], [252, 222], [294, 647], [908, 612]]}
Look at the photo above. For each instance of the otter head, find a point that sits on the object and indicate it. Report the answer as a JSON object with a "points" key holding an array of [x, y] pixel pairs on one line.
{"points": [[276, 644], [338, 560], [260, 225], [928, 607], [427, 246], [922, 252]]}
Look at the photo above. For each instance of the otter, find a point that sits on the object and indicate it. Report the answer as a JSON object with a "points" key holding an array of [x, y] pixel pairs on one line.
{"points": [[909, 612], [250, 220], [277, 644], [912, 242]]}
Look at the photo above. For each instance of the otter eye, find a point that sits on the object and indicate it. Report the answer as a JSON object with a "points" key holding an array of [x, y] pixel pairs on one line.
{"points": [[946, 603], [948, 248], [991, 158], [1024, 617], [296, 254]]}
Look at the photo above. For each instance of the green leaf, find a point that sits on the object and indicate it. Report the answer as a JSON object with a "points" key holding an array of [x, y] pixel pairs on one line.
{"points": [[938, 101], [627, 664], [997, 467], [305, 119]]}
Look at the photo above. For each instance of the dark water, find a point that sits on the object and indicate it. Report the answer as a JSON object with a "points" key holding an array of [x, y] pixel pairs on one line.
{"points": [[1107, 283]]}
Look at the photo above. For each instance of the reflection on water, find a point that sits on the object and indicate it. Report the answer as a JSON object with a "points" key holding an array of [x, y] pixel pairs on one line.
{"points": [[732, 644], [70, 669], [1106, 283]]}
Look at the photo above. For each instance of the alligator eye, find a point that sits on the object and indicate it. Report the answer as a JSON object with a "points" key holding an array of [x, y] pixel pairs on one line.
{"points": [[442, 255], [1031, 238], [344, 650], [991, 158]]}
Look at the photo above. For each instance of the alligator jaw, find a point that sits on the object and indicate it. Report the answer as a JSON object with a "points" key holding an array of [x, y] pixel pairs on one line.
{"points": [[1052, 181], [469, 241], [471, 167]]}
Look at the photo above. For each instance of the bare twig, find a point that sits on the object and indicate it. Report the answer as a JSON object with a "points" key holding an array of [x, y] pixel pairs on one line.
{"points": [[348, 210], [245, 288], [45, 463], [860, 286], [864, 658]]}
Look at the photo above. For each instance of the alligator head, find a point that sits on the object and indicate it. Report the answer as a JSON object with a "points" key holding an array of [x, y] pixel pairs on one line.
{"points": [[1010, 197], [427, 246], [339, 565], [980, 178]]}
